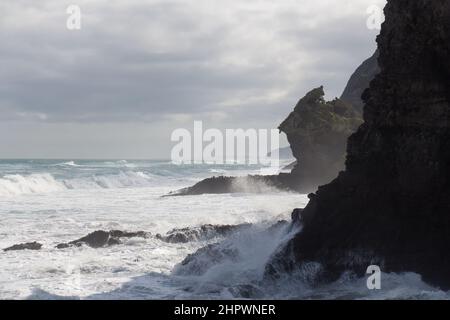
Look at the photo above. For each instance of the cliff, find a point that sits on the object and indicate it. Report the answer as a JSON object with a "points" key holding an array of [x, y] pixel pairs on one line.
{"points": [[317, 132], [360, 81], [390, 206]]}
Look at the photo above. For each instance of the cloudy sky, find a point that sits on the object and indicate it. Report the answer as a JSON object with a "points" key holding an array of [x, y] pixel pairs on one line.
{"points": [[138, 69]]}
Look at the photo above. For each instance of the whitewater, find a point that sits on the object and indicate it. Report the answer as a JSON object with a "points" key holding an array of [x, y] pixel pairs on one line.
{"points": [[57, 201]]}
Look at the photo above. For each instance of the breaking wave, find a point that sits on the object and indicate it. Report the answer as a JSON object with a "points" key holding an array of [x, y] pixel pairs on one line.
{"points": [[16, 184], [235, 268], [236, 264], [67, 164]]}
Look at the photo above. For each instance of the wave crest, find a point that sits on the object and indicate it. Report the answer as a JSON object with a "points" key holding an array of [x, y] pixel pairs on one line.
{"points": [[16, 184]]}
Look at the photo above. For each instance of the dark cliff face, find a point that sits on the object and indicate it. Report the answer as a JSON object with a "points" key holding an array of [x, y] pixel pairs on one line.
{"points": [[360, 81], [317, 132], [391, 206]]}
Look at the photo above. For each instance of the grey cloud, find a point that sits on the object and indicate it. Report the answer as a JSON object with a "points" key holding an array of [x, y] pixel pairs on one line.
{"points": [[144, 61]]}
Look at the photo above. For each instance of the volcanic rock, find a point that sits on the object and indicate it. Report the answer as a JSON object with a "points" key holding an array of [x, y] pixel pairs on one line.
{"points": [[391, 205], [100, 238]]}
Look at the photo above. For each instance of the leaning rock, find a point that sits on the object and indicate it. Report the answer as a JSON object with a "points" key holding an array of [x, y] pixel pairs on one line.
{"points": [[25, 246]]}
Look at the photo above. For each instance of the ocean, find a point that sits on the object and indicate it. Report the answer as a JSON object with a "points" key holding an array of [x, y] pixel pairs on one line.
{"points": [[57, 201]]}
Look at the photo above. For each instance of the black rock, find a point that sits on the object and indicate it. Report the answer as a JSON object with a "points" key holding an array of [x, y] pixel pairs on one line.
{"points": [[225, 251], [62, 246], [317, 132], [391, 205], [99, 239], [25, 246], [360, 81], [124, 234], [202, 233], [204, 258]]}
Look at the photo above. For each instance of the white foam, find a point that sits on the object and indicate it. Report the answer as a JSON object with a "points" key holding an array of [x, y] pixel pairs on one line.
{"points": [[16, 184], [12, 185], [126, 179], [68, 164]]}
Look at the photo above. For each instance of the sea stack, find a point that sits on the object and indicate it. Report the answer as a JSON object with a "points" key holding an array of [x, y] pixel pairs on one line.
{"points": [[317, 131], [391, 205]]}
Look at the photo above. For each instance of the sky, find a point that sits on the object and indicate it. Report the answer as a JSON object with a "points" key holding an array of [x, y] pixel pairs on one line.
{"points": [[139, 69]]}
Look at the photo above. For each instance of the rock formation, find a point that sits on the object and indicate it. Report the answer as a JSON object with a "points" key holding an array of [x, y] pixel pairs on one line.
{"points": [[317, 132], [202, 233], [247, 184], [100, 238], [24, 246], [391, 205], [360, 81]]}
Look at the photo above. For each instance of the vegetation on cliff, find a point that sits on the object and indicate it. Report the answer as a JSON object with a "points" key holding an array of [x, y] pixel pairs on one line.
{"points": [[317, 132]]}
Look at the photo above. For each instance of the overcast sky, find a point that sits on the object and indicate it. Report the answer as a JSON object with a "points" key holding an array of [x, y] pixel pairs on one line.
{"points": [[139, 69]]}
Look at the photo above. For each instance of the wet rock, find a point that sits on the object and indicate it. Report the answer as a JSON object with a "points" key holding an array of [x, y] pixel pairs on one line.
{"points": [[390, 206], [204, 258], [247, 291], [226, 251], [278, 226], [99, 239], [25, 246], [202, 233], [62, 246], [124, 234], [297, 216]]}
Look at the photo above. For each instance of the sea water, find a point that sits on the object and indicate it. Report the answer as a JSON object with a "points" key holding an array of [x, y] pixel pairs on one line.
{"points": [[56, 201]]}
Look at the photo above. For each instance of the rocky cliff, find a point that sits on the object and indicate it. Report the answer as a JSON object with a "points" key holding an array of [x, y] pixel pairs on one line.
{"points": [[360, 81], [317, 132], [391, 205]]}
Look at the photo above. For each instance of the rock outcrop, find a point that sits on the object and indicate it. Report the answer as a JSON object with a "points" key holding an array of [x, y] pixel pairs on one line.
{"points": [[360, 81], [202, 233], [391, 205], [24, 246], [100, 239], [317, 132], [247, 184], [231, 249]]}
